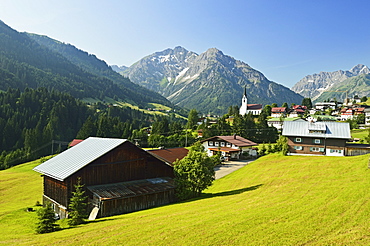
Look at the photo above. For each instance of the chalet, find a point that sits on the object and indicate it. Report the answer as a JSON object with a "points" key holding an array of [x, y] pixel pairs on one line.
{"points": [[317, 138], [254, 109], [278, 112], [169, 155], [118, 177], [297, 111], [231, 147]]}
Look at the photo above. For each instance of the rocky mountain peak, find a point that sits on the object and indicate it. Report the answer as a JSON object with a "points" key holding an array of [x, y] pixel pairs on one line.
{"points": [[209, 82], [359, 69]]}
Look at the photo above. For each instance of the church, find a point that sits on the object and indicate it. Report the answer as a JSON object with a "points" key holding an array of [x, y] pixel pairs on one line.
{"points": [[254, 109]]}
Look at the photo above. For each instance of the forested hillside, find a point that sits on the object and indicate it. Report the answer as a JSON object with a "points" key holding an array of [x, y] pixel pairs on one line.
{"points": [[26, 63], [31, 120]]}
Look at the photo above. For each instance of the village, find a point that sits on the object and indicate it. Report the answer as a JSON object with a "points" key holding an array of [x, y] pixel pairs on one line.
{"points": [[120, 177]]}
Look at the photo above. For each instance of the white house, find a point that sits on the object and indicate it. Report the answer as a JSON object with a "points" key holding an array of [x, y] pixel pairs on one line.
{"points": [[231, 147]]}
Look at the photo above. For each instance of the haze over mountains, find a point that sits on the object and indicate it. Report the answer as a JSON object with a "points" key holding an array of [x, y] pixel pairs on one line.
{"points": [[337, 84], [209, 82]]}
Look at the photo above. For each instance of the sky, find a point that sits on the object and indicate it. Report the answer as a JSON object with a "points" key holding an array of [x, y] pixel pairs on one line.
{"points": [[285, 40]]}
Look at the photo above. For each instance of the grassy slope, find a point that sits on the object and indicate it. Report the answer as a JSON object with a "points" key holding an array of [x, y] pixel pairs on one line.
{"points": [[360, 133], [275, 200]]}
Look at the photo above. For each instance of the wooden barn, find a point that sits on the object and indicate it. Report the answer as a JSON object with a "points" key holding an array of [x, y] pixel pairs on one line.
{"points": [[118, 177]]}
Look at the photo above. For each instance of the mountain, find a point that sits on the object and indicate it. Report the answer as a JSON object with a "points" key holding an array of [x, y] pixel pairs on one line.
{"points": [[357, 85], [315, 85], [118, 69], [209, 82], [28, 60]]}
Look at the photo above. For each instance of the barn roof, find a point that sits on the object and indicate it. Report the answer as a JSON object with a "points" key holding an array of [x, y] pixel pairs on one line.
{"points": [[70, 161], [132, 188], [318, 129]]}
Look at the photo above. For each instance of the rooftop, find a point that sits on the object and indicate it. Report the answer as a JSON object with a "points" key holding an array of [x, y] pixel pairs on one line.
{"points": [[319, 129], [70, 161]]}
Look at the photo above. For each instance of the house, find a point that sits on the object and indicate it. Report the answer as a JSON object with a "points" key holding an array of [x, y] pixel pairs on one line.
{"points": [[367, 116], [349, 113], [118, 177], [297, 111], [254, 109], [231, 147], [279, 122], [322, 106], [316, 117], [278, 112], [169, 155], [317, 138]]}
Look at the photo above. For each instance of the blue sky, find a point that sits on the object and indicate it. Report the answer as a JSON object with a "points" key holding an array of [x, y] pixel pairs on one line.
{"points": [[285, 40]]}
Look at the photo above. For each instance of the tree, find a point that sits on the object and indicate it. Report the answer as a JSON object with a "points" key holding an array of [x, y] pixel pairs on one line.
{"points": [[88, 129], [77, 205], [46, 220], [194, 173], [307, 102], [363, 99], [282, 145], [285, 105], [192, 119]]}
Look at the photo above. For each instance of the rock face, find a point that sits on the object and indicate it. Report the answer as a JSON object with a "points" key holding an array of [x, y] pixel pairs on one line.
{"points": [[209, 82], [314, 85]]}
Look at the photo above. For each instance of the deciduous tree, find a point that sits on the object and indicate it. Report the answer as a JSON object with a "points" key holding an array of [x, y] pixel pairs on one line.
{"points": [[194, 173]]}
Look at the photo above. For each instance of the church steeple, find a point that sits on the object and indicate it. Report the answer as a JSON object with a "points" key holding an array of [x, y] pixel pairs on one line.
{"points": [[244, 106]]}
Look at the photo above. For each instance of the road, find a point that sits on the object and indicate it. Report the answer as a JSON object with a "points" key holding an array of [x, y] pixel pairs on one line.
{"points": [[229, 167]]}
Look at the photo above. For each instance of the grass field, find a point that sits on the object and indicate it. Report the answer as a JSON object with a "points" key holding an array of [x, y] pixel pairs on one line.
{"points": [[360, 133], [275, 200]]}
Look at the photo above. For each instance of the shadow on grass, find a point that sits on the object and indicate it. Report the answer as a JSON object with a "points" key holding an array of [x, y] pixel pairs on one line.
{"points": [[224, 193], [234, 192]]}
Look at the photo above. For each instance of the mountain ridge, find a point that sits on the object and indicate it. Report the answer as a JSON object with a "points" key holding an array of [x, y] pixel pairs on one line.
{"points": [[208, 82], [315, 85]]}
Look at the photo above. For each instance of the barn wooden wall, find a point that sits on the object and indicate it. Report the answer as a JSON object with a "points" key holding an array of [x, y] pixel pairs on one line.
{"points": [[124, 163]]}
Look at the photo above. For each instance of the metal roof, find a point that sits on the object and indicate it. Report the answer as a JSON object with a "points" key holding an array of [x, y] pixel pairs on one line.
{"points": [[132, 188], [73, 159], [331, 130]]}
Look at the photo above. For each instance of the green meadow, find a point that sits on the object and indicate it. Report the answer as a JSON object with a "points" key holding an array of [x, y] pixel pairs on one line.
{"points": [[360, 133], [275, 200]]}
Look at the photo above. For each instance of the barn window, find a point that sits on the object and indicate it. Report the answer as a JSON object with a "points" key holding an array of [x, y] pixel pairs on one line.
{"points": [[298, 140], [216, 143], [210, 143], [222, 144]]}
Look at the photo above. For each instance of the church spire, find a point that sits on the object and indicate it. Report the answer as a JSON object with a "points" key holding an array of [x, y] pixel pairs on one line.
{"points": [[243, 108]]}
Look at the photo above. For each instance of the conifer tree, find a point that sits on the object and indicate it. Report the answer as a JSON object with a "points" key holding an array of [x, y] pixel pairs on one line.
{"points": [[77, 205], [46, 220]]}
